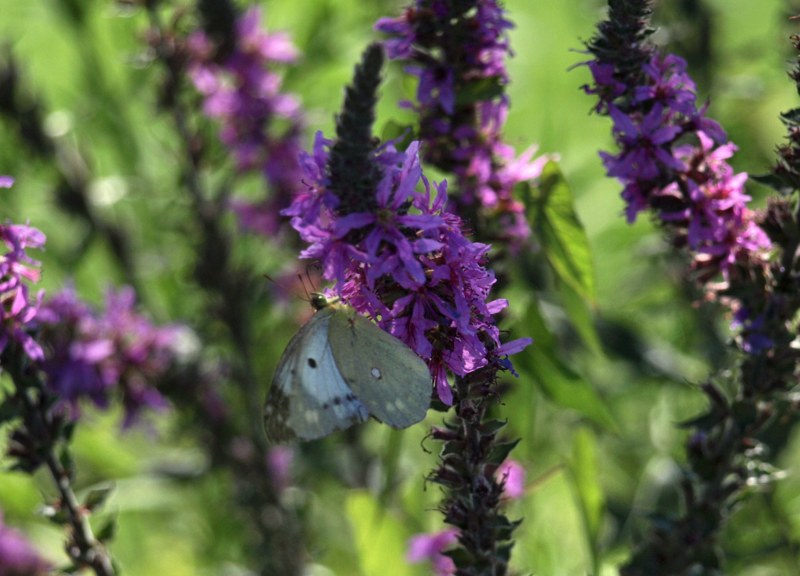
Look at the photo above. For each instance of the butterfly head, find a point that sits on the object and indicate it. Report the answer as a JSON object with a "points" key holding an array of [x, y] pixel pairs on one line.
{"points": [[320, 301]]}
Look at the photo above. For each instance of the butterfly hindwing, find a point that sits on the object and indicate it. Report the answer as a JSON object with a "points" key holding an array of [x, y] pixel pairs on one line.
{"points": [[309, 398], [386, 375]]}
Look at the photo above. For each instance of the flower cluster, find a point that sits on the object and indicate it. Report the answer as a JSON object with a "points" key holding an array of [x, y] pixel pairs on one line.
{"points": [[460, 48], [93, 355], [18, 556], [406, 263], [17, 308], [243, 92], [673, 160]]}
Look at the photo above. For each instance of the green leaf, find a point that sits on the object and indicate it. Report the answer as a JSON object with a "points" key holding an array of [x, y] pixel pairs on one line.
{"points": [[380, 538], [107, 530], [97, 495], [581, 317], [9, 410], [564, 242], [584, 475], [501, 450], [555, 378]]}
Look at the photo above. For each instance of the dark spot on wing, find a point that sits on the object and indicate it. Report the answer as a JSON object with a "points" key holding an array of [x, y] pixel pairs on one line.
{"points": [[312, 362], [338, 401], [276, 413]]}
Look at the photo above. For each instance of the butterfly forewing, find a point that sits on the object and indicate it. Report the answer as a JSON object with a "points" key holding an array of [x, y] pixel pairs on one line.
{"points": [[309, 398], [386, 375]]}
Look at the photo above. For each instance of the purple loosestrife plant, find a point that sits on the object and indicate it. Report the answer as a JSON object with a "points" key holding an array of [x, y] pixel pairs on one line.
{"points": [[384, 235], [236, 445], [259, 124], [431, 547], [39, 434], [673, 162], [457, 51]]}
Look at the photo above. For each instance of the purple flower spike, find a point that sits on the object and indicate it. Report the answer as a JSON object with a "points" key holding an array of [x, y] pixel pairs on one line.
{"points": [[96, 356], [461, 49], [673, 160], [243, 93], [17, 270]]}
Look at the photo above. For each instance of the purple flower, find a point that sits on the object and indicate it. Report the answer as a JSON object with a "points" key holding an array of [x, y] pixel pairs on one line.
{"points": [[17, 556], [244, 94], [456, 49], [17, 270], [512, 475], [407, 263], [279, 462], [753, 337], [99, 355], [423, 547], [673, 160]]}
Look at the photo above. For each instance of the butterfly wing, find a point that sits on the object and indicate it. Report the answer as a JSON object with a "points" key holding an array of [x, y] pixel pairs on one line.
{"points": [[385, 374], [308, 398]]}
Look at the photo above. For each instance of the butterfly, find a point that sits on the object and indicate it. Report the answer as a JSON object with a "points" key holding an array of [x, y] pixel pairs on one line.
{"points": [[340, 369]]}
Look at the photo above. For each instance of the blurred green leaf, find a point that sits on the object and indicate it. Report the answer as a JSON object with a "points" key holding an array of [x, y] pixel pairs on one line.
{"points": [[557, 380], [501, 450], [97, 495], [580, 316], [555, 223], [584, 474], [380, 538], [107, 530], [565, 245]]}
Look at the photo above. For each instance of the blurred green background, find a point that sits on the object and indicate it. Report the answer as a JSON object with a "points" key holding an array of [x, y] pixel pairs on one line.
{"points": [[600, 443]]}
